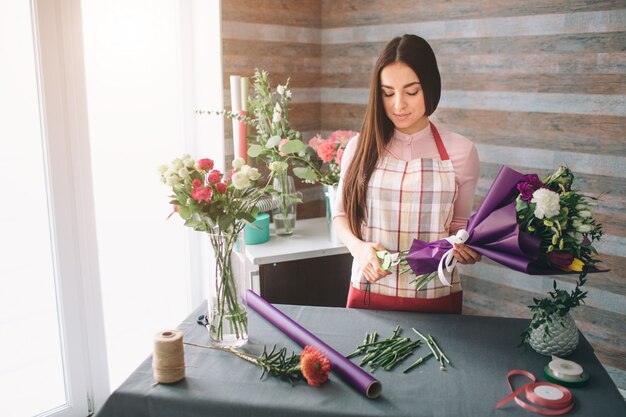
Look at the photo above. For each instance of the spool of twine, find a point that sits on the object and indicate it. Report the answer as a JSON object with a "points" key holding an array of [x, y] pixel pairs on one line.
{"points": [[168, 361]]}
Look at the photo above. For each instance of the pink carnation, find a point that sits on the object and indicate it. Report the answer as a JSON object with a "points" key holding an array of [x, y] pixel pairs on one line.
{"points": [[196, 183], [205, 164], [326, 151], [215, 176]]}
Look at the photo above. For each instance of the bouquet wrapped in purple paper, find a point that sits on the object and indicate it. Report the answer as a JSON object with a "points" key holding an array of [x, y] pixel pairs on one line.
{"points": [[539, 227]]}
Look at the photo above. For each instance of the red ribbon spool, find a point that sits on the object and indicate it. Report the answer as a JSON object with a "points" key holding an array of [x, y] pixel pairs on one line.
{"points": [[551, 406]]}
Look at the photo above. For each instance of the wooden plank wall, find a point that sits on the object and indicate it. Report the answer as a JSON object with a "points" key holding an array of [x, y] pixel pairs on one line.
{"points": [[533, 84], [283, 38]]}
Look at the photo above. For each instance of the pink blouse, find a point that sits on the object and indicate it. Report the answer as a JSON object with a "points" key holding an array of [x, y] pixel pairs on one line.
{"points": [[461, 151]]}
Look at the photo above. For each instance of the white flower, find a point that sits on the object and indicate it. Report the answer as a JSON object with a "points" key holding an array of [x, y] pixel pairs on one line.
{"points": [[584, 213], [288, 93], [584, 228], [188, 161], [238, 163], [253, 174], [278, 167], [183, 173], [280, 89], [277, 114], [176, 164], [240, 180], [161, 169], [547, 203], [172, 180]]}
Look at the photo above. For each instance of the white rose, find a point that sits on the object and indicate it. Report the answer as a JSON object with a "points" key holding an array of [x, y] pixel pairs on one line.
{"points": [[280, 89], [162, 169], [240, 180], [252, 173], [177, 164], [188, 161], [183, 173], [238, 163], [172, 180], [547, 203]]}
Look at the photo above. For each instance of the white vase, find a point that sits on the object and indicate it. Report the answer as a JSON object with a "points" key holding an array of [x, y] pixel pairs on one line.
{"points": [[562, 339]]}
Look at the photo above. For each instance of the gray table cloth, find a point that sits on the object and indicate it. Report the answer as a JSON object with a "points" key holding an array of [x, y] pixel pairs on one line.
{"points": [[482, 351]]}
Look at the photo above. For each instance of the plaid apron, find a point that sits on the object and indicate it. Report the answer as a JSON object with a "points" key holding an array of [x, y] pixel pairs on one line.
{"points": [[408, 200]]}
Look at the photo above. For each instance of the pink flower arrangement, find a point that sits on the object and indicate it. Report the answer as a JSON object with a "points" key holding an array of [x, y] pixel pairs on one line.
{"points": [[330, 152]]}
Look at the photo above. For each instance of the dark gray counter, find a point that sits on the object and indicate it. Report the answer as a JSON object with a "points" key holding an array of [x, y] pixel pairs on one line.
{"points": [[482, 351]]}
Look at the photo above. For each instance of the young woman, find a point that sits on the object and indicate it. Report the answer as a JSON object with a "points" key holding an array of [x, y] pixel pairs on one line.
{"points": [[403, 178]]}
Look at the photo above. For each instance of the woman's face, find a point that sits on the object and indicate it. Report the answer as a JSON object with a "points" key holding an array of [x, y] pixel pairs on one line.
{"points": [[403, 98]]}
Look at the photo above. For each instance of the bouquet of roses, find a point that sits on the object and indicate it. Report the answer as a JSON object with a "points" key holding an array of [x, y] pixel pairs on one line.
{"points": [[329, 153], [221, 207]]}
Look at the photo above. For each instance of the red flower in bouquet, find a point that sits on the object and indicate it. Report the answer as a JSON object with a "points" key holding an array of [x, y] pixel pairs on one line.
{"points": [[314, 365]]}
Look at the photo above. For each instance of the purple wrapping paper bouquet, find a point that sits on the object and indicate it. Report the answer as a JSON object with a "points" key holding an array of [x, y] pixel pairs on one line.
{"points": [[493, 232]]}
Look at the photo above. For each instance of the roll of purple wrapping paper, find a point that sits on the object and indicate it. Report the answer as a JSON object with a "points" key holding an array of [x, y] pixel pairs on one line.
{"points": [[349, 372]]}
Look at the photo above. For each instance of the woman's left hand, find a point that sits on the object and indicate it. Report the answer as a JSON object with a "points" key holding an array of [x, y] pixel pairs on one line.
{"points": [[465, 255]]}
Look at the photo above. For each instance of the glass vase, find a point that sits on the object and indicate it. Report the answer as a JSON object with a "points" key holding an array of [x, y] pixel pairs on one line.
{"points": [[561, 340], [284, 214], [330, 195], [227, 312]]}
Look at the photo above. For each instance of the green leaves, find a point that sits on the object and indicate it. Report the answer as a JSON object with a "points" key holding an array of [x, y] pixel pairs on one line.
{"points": [[306, 173], [254, 150], [292, 146]]}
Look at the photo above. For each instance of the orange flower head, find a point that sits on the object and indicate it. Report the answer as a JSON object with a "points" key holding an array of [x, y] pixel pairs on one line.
{"points": [[315, 366]]}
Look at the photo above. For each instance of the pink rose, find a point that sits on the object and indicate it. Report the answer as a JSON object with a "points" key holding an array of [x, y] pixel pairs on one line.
{"points": [[202, 194], [220, 187], [339, 156], [205, 164], [342, 136], [315, 141], [215, 176], [196, 183], [326, 151], [280, 146]]}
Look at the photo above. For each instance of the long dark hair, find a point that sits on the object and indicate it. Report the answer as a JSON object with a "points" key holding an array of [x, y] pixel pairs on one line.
{"points": [[377, 129]]}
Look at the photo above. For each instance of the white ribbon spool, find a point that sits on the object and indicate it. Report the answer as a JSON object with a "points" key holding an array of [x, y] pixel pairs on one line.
{"points": [[447, 262], [565, 370]]}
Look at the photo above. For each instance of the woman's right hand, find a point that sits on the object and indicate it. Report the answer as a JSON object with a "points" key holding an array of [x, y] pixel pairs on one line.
{"points": [[365, 255]]}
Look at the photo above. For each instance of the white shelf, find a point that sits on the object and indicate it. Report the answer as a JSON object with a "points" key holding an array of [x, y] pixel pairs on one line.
{"points": [[310, 240]]}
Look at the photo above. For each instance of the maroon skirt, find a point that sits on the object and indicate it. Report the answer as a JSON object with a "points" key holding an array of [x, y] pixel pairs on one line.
{"points": [[451, 304]]}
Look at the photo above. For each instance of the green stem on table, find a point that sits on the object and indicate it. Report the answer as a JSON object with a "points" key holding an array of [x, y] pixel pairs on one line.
{"points": [[417, 362], [427, 342]]}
